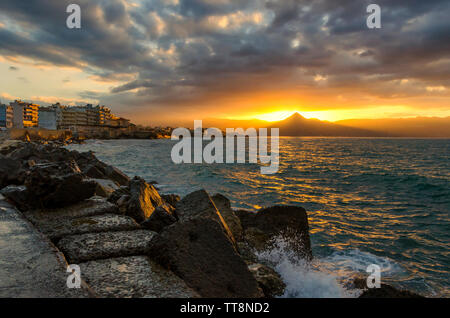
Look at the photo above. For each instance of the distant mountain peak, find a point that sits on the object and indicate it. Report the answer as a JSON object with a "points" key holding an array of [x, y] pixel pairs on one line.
{"points": [[295, 116], [297, 125]]}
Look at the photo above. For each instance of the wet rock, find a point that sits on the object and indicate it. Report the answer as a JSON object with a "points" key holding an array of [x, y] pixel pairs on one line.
{"points": [[159, 219], [105, 188], [8, 146], [387, 291], [86, 160], [18, 195], [119, 193], [122, 204], [246, 252], [133, 277], [171, 199], [199, 252], [224, 206], [58, 185], [23, 152], [94, 171], [94, 246], [10, 171], [56, 229], [291, 222], [143, 200], [200, 205], [117, 176], [45, 153], [71, 189], [269, 280]]}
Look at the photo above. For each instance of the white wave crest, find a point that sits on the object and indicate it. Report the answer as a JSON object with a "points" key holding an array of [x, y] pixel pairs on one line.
{"points": [[322, 278]]}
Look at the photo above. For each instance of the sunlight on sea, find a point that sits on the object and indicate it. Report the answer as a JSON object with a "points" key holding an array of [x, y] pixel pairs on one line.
{"points": [[369, 201]]}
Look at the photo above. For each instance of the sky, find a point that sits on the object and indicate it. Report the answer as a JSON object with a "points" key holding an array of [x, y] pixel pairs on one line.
{"points": [[166, 61]]}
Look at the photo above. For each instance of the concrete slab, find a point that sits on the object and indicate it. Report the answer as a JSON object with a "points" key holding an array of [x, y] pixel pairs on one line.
{"points": [[30, 266], [89, 207], [94, 246], [133, 277], [56, 229]]}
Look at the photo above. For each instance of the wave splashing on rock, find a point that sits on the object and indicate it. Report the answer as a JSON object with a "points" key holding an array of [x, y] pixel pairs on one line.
{"points": [[303, 279]]}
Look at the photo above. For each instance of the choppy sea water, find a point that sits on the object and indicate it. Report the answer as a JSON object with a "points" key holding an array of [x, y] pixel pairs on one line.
{"points": [[369, 201]]}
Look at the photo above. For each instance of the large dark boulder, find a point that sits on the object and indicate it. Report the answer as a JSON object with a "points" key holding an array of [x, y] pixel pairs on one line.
{"points": [[198, 251], [105, 187], [144, 199], [116, 175], [41, 153], [8, 146], [58, 185], [94, 171], [23, 152], [268, 279], [159, 219], [86, 160], [94, 168], [119, 193], [171, 199], [224, 206], [289, 222], [69, 190], [18, 195], [200, 205], [10, 171]]}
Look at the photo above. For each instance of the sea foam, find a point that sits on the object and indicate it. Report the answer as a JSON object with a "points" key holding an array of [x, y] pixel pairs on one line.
{"points": [[328, 277]]}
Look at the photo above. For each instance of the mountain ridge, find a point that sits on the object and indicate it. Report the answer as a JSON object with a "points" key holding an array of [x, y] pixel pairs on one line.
{"points": [[297, 125]]}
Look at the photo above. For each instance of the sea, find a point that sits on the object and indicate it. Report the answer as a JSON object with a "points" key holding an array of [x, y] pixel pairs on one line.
{"points": [[382, 201]]}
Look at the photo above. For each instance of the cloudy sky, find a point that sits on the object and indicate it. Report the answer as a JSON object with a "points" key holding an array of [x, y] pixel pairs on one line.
{"points": [[169, 60]]}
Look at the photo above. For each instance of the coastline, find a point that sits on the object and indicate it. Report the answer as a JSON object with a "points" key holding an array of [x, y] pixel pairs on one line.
{"points": [[134, 209]]}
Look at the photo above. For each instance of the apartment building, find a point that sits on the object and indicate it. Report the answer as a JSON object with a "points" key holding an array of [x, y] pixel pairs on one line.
{"points": [[25, 115], [99, 115], [6, 116], [118, 122], [48, 118], [74, 116], [66, 117]]}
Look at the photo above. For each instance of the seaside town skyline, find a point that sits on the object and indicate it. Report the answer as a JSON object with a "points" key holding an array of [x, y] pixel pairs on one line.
{"points": [[22, 114], [101, 121]]}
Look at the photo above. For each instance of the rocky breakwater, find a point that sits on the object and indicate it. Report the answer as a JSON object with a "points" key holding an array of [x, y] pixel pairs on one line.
{"points": [[130, 241]]}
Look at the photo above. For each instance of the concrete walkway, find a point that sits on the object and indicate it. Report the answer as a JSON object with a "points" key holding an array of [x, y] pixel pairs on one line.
{"points": [[30, 266]]}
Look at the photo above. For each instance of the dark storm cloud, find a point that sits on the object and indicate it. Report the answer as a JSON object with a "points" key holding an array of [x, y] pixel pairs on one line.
{"points": [[176, 51]]}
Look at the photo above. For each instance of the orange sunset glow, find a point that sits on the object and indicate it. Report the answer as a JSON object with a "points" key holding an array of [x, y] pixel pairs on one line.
{"points": [[227, 61], [244, 150]]}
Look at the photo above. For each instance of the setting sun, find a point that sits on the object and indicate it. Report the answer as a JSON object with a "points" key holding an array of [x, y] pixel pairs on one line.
{"points": [[275, 116], [283, 114]]}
